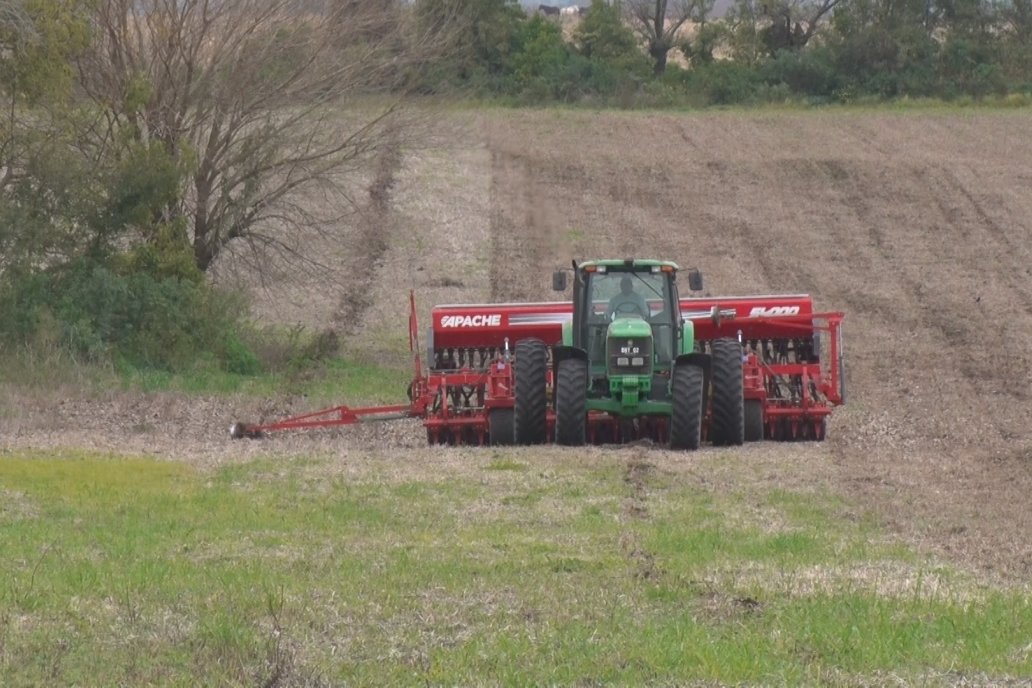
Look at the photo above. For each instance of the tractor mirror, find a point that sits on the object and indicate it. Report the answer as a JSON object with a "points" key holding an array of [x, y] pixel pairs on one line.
{"points": [[695, 280], [559, 280]]}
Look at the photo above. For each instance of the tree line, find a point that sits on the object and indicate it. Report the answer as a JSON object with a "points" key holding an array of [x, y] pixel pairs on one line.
{"points": [[674, 52], [143, 140]]}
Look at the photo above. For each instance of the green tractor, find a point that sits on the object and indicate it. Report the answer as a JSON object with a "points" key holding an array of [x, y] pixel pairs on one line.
{"points": [[629, 354]]}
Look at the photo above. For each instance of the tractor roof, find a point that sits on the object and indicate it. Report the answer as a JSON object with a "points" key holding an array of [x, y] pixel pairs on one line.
{"points": [[630, 264]]}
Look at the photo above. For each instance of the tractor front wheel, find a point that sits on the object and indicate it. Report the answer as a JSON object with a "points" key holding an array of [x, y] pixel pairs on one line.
{"points": [[686, 386], [530, 413], [727, 405], [571, 402]]}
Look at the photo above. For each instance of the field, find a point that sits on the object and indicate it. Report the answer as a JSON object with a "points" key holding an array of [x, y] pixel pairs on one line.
{"points": [[138, 545]]}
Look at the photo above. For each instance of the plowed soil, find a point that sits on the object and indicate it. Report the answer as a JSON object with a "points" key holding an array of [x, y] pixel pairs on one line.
{"points": [[917, 225]]}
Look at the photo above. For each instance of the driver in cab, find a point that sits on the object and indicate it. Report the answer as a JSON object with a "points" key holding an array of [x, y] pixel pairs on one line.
{"points": [[628, 303]]}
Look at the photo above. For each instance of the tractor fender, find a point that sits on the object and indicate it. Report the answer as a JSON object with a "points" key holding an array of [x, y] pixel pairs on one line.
{"points": [[563, 352], [696, 358], [687, 342]]}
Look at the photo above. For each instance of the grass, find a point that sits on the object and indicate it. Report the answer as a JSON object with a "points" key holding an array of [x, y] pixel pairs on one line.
{"points": [[326, 381], [356, 381], [520, 568], [794, 104], [294, 362]]}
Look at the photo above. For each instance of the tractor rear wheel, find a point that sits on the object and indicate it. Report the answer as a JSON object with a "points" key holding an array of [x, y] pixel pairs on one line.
{"points": [[728, 403], [500, 426], [571, 402], [753, 420], [530, 413], [686, 386]]}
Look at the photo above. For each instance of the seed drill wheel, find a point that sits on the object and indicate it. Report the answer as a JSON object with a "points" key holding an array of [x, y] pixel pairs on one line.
{"points": [[500, 426], [686, 385], [727, 405], [571, 402], [530, 417], [753, 420]]}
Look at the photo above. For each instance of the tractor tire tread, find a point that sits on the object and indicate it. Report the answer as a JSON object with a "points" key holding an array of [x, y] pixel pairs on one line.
{"points": [[571, 399], [686, 388], [530, 413], [500, 431], [727, 405], [753, 420]]}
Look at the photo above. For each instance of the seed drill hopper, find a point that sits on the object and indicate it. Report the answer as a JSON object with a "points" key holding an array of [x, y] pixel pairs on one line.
{"points": [[671, 369]]}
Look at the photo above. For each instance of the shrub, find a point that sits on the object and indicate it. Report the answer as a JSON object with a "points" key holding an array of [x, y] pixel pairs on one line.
{"points": [[725, 83], [809, 72], [99, 314]]}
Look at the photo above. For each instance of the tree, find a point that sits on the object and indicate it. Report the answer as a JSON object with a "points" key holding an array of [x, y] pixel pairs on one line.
{"points": [[271, 108], [886, 46], [1017, 16], [480, 37], [538, 65], [699, 48], [602, 36], [767, 27], [38, 40], [658, 22], [1016, 27], [792, 23]]}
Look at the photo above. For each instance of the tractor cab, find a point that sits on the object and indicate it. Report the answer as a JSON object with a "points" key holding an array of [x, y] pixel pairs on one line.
{"points": [[626, 315]]}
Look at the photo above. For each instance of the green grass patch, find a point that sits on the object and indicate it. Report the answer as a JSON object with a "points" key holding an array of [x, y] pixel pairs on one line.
{"points": [[499, 463], [286, 369], [130, 570], [332, 381]]}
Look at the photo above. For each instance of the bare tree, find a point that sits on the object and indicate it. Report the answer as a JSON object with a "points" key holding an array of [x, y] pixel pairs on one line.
{"points": [[657, 23], [761, 28], [16, 26], [793, 22], [1017, 16], [16, 29], [265, 102]]}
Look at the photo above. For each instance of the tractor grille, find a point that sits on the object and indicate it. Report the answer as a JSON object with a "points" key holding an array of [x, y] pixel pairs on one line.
{"points": [[630, 356]]}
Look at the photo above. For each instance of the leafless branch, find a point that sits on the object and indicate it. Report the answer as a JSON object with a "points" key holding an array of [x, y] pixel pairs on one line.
{"points": [[271, 98]]}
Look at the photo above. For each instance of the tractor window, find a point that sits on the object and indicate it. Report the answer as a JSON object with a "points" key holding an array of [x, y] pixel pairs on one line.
{"points": [[617, 294], [642, 295]]}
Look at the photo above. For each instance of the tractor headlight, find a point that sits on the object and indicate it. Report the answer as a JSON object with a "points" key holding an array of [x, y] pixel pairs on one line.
{"points": [[637, 361], [622, 361]]}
